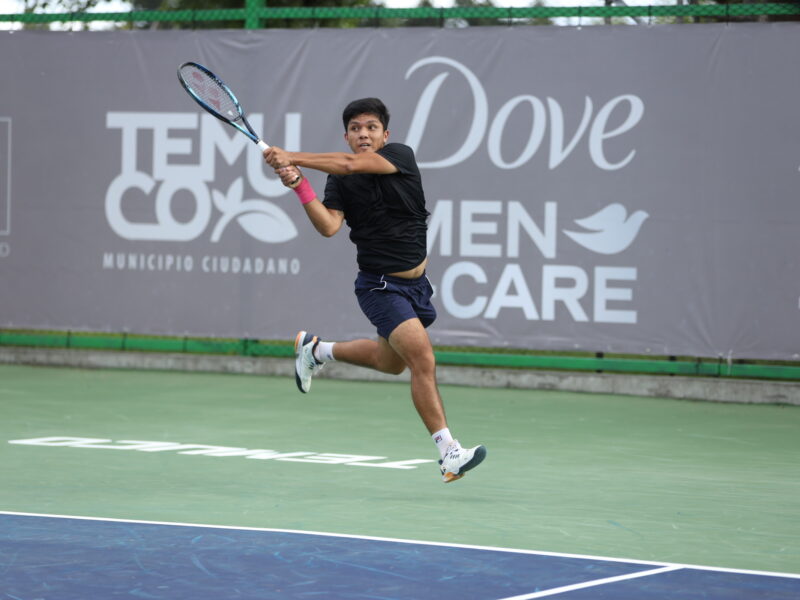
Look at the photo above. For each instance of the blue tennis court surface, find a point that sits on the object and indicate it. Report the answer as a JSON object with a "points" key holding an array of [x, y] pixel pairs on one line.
{"points": [[72, 558]]}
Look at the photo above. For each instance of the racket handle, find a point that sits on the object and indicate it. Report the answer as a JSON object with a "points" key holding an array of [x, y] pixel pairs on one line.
{"points": [[264, 146]]}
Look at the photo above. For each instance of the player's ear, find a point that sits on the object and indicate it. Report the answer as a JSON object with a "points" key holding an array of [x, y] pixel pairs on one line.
{"points": [[385, 135]]}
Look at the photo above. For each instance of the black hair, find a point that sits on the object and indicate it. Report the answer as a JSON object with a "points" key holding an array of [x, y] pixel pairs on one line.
{"points": [[371, 106]]}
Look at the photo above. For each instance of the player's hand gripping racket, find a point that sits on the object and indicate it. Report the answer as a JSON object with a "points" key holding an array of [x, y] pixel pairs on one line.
{"points": [[214, 96]]}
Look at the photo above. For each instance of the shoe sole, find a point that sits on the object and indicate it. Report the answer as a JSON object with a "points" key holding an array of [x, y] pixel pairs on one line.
{"points": [[477, 458], [298, 345]]}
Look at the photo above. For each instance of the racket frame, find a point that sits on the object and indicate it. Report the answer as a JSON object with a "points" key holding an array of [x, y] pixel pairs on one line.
{"points": [[247, 129]]}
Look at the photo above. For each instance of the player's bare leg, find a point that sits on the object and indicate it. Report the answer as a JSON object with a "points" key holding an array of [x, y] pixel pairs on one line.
{"points": [[372, 354], [411, 343]]}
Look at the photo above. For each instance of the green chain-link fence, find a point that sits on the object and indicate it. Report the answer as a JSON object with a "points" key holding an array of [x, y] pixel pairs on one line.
{"points": [[255, 15]]}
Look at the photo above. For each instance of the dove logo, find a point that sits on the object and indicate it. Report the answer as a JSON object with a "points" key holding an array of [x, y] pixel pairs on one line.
{"points": [[171, 174], [509, 254], [596, 128], [608, 231]]}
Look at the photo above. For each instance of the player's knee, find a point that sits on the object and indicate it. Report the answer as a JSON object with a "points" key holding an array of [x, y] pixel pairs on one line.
{"points": [[423, 364]]}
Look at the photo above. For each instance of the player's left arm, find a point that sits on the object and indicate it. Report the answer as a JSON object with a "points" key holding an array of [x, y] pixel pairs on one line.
{"points": [[333, 163]]}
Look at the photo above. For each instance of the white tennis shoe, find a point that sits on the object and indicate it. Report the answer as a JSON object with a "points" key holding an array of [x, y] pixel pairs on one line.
{"points": [[305, 365], [457, 460]]}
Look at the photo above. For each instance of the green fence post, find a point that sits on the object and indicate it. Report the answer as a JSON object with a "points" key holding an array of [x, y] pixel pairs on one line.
{"points": [[252, 9]]}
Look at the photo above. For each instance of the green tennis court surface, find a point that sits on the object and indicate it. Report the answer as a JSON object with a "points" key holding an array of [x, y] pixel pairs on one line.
{"points": [[645, 479]]}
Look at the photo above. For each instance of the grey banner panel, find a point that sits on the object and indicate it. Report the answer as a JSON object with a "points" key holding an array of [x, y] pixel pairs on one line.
{"points": [[616, 189]]}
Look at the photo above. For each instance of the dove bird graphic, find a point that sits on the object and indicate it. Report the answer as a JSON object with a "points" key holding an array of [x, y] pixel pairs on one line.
{"points": [[610, 230]]}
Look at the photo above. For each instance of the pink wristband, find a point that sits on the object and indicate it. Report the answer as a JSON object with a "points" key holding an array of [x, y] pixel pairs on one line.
{"points": [[305, 192]]}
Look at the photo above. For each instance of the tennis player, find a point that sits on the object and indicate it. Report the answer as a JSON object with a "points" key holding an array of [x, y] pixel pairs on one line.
{"points": [[377, 189]]}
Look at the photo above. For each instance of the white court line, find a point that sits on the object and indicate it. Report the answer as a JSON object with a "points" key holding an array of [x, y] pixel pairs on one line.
{"points": [[422, 543], [594, 583]]}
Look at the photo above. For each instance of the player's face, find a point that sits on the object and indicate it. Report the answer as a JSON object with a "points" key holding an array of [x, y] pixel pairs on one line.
{"points": [[365, 133]]}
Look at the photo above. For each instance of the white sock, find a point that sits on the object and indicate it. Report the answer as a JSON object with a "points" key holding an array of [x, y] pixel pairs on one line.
{"points": [[442, 439], [324, 352]]}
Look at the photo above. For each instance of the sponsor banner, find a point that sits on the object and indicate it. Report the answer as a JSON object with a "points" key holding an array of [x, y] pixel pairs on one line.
{"points": [[608, 189]]}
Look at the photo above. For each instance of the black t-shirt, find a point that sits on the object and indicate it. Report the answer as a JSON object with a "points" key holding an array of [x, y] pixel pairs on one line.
{"points": [[386, 213]]}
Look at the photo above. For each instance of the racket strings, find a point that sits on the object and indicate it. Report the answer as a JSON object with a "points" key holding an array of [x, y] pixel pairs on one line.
{"points": [[210, 92]]}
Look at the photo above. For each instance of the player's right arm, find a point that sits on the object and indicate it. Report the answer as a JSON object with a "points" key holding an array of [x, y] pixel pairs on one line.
{"points": [[326, 221]]}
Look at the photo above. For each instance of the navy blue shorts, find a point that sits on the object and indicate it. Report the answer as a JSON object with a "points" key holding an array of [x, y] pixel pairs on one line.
{"points": [[388, 301]]}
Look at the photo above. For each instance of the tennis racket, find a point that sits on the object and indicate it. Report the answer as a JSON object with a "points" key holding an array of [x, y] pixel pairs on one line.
{"points": [[211, 93]]}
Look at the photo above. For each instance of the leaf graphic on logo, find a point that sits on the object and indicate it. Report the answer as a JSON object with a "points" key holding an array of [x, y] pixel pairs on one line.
{"points": [[267, 222], [230, 202], [264, 220]]}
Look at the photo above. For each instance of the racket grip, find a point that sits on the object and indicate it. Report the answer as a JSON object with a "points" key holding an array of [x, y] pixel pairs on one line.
{"points": [[263, 145]]}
